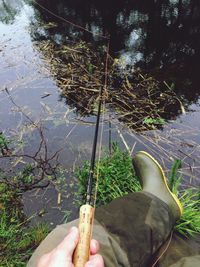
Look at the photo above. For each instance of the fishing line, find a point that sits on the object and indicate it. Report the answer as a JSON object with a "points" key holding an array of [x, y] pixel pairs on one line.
{"points": [[69, 22], [110, 136], [102, 126], [99, 157], [164, 250]]}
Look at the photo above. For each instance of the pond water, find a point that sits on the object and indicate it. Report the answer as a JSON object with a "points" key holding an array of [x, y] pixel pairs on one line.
{"points": [[160, 38]]}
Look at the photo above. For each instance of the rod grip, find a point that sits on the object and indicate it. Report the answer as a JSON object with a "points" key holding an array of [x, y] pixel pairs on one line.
{"points": [[82, 251]]}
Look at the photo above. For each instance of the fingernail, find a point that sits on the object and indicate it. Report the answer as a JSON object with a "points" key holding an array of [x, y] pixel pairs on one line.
{"points": [[96, 244]]}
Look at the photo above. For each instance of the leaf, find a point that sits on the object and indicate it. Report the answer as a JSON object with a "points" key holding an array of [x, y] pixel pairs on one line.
{"points": [[151, 121]]}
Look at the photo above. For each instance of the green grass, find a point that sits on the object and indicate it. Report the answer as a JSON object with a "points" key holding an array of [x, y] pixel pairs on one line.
{"points": [[117, 178], [189, 223], [17, 239]]}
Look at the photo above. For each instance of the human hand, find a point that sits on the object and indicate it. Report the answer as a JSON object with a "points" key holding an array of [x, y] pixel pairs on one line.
{"points": [[62, 255]]}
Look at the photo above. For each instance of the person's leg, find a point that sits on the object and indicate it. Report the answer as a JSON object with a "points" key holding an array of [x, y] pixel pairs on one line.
{"points": [[133, 227], [140, 223], [181, 251], [128, 231]]}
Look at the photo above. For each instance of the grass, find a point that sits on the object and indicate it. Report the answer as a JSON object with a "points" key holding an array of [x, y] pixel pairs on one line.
{"points": [[189, 223], [18, 240], [117, 178]]}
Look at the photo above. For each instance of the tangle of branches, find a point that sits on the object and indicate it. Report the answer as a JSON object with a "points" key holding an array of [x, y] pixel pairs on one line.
{"points": [[38, 166]]}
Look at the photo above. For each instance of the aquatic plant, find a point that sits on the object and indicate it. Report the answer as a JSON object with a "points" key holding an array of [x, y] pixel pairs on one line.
{"points": [[135, 98], [3, 144]]}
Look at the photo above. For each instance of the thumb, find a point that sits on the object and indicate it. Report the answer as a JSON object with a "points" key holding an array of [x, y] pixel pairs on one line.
{"points": [[69, 243]]}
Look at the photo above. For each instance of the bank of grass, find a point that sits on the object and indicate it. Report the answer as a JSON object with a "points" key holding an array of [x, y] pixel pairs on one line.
{"points": [[17, 239], [117, 178]]}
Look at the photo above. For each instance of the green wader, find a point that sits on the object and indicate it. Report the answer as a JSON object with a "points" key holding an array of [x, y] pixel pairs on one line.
{"points": [[132, 231]]}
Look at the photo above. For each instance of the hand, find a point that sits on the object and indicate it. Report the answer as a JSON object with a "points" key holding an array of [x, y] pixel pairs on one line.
{"points": [[61, 256]]}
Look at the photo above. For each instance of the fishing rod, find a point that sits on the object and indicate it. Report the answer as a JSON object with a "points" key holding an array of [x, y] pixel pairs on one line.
{"points": [[86, 213]]}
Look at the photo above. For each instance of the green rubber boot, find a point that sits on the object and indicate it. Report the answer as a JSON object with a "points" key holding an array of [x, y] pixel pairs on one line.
{"points": [[153, 181]]}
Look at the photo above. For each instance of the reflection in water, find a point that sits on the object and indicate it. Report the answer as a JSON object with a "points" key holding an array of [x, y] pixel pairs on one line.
{"points": [[138, 100], [9, 9], [159, 37]]}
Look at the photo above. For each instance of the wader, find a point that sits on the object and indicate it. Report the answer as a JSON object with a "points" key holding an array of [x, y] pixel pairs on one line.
{"points": [[132, 231]]}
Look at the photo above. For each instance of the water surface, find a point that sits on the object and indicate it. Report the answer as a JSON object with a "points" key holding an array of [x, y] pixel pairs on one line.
{"points": [[160, 38]]}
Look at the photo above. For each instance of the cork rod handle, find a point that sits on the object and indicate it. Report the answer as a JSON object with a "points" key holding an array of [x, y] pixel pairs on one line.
{"points": [[82, 251]]}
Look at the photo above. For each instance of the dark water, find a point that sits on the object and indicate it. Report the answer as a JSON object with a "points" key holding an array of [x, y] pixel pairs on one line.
{"points": [[161, 38]]}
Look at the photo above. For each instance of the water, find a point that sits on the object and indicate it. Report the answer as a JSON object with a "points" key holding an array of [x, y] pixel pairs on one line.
{"points": [[159, 39]]}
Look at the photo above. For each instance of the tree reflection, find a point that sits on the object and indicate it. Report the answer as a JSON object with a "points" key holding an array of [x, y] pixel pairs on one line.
{"points": [[9, 9], [159, 37]]}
